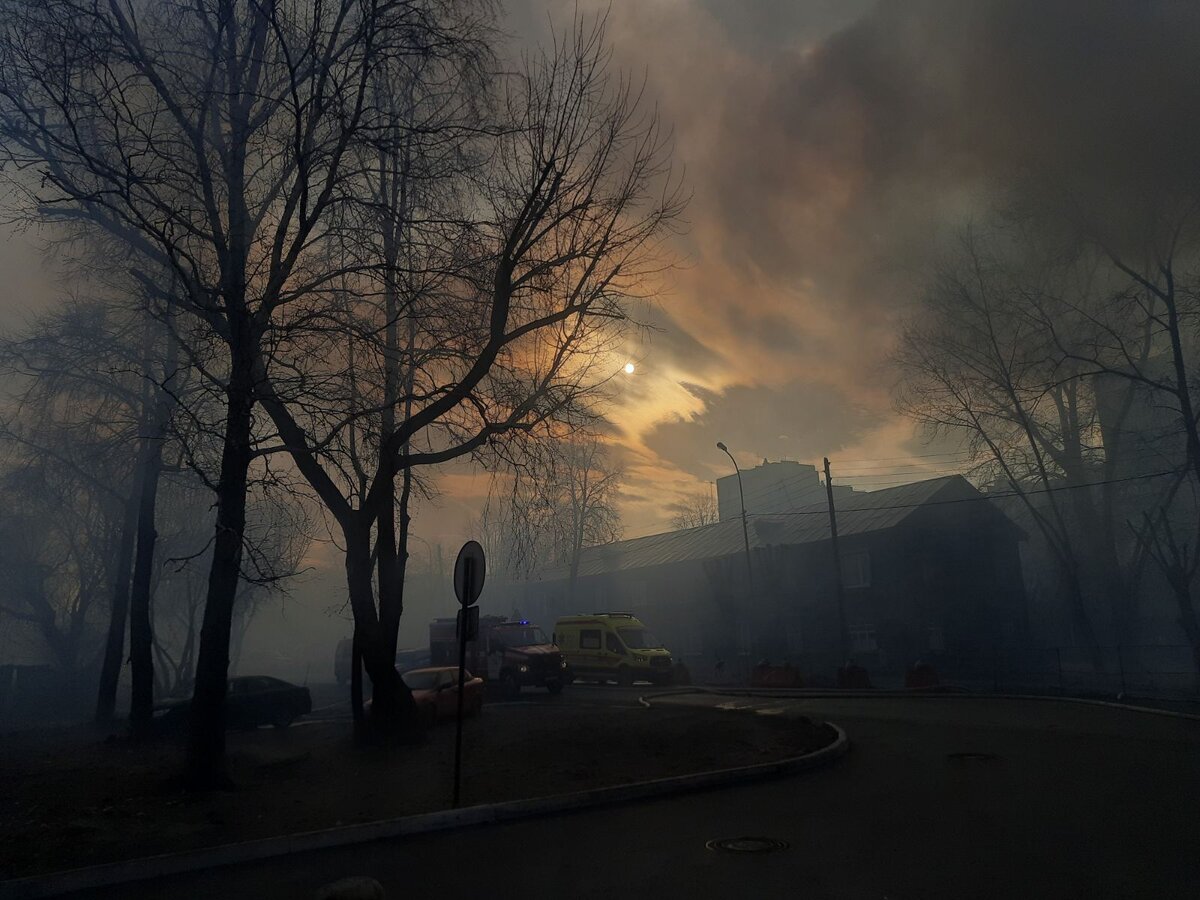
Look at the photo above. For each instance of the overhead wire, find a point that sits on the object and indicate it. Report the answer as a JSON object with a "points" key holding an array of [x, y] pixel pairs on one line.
{"points": [[868, 481], [998, 495]]}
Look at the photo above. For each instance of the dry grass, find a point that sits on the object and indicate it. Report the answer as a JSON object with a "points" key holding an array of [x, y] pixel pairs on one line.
{"points": [[69, 799]]}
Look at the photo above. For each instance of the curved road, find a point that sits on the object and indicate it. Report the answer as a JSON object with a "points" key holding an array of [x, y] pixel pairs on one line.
{"points": [[939, 797]]}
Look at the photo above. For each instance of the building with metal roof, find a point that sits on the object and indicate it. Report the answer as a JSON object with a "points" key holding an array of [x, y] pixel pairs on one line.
{"points": [[930, 568]]}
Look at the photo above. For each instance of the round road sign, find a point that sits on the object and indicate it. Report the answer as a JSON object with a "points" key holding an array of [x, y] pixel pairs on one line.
{"points": [[469, 570]]}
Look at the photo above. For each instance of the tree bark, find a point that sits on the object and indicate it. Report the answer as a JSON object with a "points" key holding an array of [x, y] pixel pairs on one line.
{"points": [[392, 707], [206, 748], [141, 633], [114, 646], [356, 689]]}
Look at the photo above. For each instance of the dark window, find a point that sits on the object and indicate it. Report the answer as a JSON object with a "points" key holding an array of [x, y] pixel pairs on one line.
{"points": [[589, 639], [862, 639], [856, 569], [639, 638], [614, 645]]}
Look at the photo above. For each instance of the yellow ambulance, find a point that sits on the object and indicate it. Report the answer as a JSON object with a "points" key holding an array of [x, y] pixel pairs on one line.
{"points": [[612, 647]]}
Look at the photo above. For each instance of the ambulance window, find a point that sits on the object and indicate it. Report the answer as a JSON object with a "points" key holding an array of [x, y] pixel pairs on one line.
{"points": [[614, 645], [589, 639]]}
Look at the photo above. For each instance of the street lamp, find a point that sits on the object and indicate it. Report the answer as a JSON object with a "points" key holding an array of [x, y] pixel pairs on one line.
{"points": [[742, 497]]}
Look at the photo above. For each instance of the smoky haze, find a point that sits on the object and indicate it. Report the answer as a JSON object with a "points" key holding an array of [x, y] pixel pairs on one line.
{"points": [[814, 374]]}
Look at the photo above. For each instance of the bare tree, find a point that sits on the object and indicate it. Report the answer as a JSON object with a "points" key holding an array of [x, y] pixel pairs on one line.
{"points": [[277, 538], [561, 500], [1141, 342], [55, 547], [586, 485], [978, 365], [696, 510], [559, 232], [77, 400], [215, 137]]}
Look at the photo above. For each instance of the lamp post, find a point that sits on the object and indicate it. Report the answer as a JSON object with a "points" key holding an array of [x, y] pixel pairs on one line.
{"points": [[742, 498]]}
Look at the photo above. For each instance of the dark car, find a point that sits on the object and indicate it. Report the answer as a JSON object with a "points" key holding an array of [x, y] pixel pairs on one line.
{"points": [[251, 701]]}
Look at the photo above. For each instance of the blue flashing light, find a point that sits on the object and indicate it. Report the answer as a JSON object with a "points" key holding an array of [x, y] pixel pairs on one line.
{"points": [[524, 621]]}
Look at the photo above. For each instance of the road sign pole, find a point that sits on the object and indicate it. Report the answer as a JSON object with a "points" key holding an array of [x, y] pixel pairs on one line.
{"points": [[462, 661], [469, 570]]}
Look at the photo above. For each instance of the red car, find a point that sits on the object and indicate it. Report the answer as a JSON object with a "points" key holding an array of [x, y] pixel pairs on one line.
{"points": [[436, 691]]}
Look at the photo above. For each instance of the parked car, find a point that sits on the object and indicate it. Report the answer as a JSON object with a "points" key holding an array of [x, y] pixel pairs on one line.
{"points": [[251, 701], [435, 690]]}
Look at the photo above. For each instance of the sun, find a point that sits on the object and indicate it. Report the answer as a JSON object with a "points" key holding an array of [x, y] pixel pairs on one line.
{"points": [[629, 368]]}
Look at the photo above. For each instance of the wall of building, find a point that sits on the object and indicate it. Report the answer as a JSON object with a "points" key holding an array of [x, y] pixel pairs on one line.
{"points": [[945, 588], [770, 487]]}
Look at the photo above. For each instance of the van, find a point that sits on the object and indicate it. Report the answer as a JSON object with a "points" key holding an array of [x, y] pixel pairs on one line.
{"points": [[612, 647]]}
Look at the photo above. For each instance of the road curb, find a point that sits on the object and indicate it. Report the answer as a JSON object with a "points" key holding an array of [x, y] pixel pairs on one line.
{"points": [[915, 693], [58, 883]]}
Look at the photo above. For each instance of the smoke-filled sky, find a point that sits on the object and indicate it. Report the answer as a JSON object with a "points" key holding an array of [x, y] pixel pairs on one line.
{"points": [[830, 147]]}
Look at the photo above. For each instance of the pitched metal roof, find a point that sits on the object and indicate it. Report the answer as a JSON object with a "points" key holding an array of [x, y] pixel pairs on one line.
{"points": [[860, 513]]}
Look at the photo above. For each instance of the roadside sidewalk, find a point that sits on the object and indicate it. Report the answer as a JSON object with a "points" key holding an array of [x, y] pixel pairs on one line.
{"points": [[555, 769], [947, 693]]}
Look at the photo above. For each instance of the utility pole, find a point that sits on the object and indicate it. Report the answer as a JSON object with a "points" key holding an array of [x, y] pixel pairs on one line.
{"points": [[746, 538], [741, 497], [837, 568]]}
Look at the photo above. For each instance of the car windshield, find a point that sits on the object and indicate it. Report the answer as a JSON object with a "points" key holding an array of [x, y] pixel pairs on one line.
{"points": [[420, 681], [521, 636], [639, 638]]}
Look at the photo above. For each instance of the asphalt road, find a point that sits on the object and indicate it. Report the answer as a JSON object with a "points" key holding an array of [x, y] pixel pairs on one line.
{"points": [[1050, 800]]}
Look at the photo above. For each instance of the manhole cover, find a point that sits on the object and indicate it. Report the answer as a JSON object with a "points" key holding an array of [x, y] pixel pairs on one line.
{"points": [[747, 844], [971, 757]]}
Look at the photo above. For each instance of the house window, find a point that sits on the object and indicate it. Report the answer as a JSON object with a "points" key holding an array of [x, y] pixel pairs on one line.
{"points": [[856, 569], [862, 639], [589, 639]]}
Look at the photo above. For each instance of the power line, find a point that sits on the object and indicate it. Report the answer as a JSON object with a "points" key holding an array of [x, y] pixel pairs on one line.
{"points": [[909, 456], [933, 473], [1143, 453], [995, 496], [866, 482]]}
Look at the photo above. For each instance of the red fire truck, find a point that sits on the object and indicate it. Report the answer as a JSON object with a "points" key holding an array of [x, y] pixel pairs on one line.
{"points": [[507, 654]]}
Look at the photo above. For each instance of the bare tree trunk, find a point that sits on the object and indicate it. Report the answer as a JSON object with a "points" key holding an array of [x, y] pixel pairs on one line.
{"points": [[392, 551], [573, 577], [402, 551], [391, 702], [114, 646], [141, 628], [206, 749], [141, 633], [356, 689]]}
